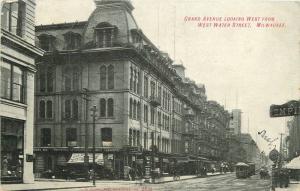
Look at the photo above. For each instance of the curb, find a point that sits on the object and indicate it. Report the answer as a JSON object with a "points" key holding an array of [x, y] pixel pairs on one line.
{"points": [[36, 189], [187, 179]]}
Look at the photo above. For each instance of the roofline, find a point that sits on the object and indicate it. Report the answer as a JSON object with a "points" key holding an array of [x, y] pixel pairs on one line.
{"points": [[76, 24]]}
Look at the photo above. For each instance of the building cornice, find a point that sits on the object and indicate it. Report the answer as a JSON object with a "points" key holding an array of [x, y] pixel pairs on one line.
{"points": [[17, 42]]}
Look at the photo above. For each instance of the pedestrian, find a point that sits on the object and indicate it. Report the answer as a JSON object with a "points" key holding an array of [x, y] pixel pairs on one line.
{"points": [[4, 166]]}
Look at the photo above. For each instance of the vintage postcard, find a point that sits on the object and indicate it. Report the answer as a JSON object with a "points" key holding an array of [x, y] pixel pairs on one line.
{"points": [[149, 95]]}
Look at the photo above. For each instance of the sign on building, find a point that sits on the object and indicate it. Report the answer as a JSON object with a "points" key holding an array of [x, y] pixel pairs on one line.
{"points": [[290, 108]]}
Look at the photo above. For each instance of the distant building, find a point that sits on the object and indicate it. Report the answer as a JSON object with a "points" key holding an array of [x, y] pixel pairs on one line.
{"points": [[252, 151], [293, 140], [235, 124], [18, 68]]}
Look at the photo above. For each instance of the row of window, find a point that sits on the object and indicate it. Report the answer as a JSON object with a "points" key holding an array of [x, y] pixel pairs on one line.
{"points": [[177, 124], [13, 17], [45, 109], [134, 137], [177, 106], [176, 146], [12, 82], [107, 77], [71, 78], [106, 107], [134, 109], [71, 109], [105, 35], [72, 136], [46, 79]]}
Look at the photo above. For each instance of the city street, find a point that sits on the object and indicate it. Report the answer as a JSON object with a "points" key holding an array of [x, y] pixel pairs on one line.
{"points": [[217, 183]]}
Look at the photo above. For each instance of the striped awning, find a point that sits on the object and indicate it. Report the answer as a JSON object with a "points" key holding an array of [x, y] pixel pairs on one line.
{"points": [[79, 158]]}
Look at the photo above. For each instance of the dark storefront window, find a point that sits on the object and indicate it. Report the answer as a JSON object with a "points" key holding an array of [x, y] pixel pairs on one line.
{"points": [[106, 136], [12, 82], [12, 136]]}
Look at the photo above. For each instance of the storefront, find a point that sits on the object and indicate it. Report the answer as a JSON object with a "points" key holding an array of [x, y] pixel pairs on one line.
{"points": [[12, 150]]}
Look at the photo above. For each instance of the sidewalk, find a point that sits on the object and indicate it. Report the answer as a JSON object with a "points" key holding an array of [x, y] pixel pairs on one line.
{"points": [[43, 185], [186, 177], [54, 184]]}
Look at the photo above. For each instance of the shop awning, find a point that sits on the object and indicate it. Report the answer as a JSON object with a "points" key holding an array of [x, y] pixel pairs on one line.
{"points": [[79, 158]]}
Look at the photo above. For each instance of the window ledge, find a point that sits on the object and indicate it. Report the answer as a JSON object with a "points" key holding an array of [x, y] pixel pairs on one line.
{"points": [[106, 118], [12, 103]]}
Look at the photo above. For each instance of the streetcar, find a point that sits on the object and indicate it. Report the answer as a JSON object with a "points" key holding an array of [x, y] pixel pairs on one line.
{"points": [[243, 170]]}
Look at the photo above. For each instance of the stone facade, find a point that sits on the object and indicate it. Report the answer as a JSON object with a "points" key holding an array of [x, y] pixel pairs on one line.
{"points": [[18, 55], [144, 102]]}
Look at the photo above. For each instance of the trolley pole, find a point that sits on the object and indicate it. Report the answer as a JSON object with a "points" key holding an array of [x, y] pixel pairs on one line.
{"points": [[94, 146]]}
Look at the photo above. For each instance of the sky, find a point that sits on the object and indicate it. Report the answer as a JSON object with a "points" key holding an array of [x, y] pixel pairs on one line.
{"points": [[245, 68]]}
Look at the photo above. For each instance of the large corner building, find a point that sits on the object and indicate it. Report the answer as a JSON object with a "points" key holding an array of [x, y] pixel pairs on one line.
{"points": [[145, 104]]}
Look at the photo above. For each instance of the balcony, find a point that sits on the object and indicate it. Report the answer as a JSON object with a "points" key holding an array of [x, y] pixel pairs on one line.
{"points": [[154, 101]]}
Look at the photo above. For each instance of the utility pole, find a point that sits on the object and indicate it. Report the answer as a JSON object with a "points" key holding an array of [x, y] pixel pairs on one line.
{"points": [[86, 156], [94, 146]]}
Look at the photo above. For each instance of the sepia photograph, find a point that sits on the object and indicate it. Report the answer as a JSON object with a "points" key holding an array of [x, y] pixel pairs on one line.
{"points": [[150, 95]]}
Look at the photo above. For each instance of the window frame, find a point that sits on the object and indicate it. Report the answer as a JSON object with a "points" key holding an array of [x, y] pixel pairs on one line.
{"points": [[12, 83]]}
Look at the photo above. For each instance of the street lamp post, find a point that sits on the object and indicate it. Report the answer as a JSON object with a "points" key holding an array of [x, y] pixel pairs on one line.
{"points": [[94, 146], [86, 157]]}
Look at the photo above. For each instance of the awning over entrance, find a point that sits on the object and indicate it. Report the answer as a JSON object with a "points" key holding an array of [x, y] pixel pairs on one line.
{"points": [[79, 158]]}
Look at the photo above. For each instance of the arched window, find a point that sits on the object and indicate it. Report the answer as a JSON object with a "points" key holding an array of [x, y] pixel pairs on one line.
{"points": [[111, 77], [130, 108], [130, 137], [138, 83], [50, 79], [102, 107], [131, 79], [134, 80], [138, 138], [75, 109], [72, 40], [134, 109], [110, 107], [67, 109], [76, 74], [49, 109], [42, 79], [67, 79], [105, 34], [138, 110], [103, 77], [42, 109]]}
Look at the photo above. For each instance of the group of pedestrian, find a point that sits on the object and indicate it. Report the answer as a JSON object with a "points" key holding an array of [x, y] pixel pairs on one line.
{"points": [[282, 178]]}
